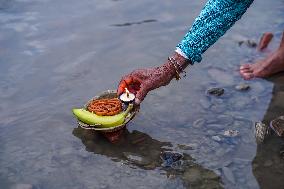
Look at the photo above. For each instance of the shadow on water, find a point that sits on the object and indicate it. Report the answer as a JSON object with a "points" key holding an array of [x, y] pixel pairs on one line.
{"points": [[268, 164], [139, 150]]}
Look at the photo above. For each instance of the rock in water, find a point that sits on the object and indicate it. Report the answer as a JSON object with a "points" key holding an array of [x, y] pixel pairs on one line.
{"points": [[242, 87], [169, 158], [278, 126], [260, 131], [231, 133], [215, 91]]}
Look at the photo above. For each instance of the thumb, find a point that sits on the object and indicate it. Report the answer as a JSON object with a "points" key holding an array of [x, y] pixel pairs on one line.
{"points": [[141, 94]]}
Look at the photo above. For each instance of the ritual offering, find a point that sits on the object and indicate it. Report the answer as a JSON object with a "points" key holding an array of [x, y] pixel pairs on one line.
{"points": [[101, 121], [106, 113], [105, 107], [127, 97]]}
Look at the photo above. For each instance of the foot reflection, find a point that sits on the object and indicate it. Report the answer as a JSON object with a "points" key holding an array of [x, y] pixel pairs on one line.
{"points": [[138, 149]]}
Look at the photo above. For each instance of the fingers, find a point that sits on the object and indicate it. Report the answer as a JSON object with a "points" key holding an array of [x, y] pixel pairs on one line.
{"points": [[130, 82], [121, 87], [141, 94]]}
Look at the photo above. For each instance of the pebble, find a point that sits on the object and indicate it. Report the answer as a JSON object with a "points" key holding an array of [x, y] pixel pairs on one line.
{"points": [[242, 40], [170, 158], [228, 174], [242, 87], [215, 91], [260, 131], [231, 133], [250, 43]]}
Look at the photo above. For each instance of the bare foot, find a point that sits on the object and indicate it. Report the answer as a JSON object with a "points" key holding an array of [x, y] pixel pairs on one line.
{"points": [[272, 64]]}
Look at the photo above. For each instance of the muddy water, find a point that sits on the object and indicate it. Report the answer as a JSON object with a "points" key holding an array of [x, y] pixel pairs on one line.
{"points": [[57, 55]]}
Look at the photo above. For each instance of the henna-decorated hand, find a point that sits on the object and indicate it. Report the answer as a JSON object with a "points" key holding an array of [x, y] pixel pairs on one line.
{"points": [[141, 81]]}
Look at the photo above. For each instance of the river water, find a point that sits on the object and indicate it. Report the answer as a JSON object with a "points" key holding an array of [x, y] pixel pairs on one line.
{"points": [[56, 55]]}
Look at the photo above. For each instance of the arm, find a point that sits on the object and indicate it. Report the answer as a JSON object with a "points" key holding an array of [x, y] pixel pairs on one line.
{"points": [[214, 20]]}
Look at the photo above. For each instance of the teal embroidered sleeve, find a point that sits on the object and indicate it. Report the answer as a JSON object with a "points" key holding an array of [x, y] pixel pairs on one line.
{"points": [[214, 20]]}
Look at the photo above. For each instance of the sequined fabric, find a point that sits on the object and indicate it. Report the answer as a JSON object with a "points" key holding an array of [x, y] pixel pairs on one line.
{"points": [[214, 20]]}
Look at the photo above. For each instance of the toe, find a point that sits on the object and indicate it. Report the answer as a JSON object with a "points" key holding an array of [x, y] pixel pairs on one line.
{"points": [[247, 76], [245, 70], [245, 66]]}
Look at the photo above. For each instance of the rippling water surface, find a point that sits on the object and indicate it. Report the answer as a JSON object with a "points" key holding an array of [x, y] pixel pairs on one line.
{"points": [[56, 55]]}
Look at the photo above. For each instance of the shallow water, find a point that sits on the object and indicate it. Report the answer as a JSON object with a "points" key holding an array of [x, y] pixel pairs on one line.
{"points": [[57, 55]]}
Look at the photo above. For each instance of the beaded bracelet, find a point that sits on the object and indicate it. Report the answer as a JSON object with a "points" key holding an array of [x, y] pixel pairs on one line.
{"points": [[177, 76], [178, 68]]}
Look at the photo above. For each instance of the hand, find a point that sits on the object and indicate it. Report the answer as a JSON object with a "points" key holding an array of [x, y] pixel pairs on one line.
{"points": [[141, 81]]}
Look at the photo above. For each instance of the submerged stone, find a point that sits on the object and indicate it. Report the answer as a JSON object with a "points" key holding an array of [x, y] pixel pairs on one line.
{"points": [[170, 158], [260, 131], [278, 126], [215, 91], [248, 42], [231, 133], [242, 87]]}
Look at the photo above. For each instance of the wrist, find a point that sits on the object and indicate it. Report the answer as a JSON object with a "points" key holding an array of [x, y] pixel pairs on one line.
{"points": [[184, 62]]}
